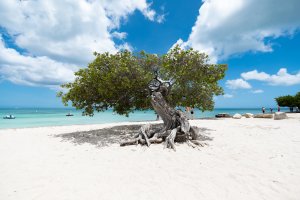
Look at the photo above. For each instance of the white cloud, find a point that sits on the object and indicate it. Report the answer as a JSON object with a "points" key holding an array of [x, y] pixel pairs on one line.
{"points": [[117, 10], [257, 91], [181, 43], [119, 35], [227, 96], [65, 33], [161, 18], [261, 76], [224, 28], [126, 46], [33, 71], [281, 78], [237, 84]]}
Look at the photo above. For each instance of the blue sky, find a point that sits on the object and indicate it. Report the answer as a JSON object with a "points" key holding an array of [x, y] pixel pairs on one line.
{"points": [[43, 43]]}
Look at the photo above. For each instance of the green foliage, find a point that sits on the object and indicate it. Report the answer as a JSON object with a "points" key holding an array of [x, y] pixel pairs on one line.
{"points": [[297, 100], [289, 101], [193, 78], [121, 81], [285, 101]]}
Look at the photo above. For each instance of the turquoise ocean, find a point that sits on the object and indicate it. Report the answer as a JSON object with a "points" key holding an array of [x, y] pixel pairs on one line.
{"points": [[38, 117]]}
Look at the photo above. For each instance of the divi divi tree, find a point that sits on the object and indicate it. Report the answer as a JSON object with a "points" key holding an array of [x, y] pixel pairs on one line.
{"points": [[128, 81]]}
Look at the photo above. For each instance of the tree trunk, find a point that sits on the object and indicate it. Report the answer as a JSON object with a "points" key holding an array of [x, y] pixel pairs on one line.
{"points": [[176, 125]]}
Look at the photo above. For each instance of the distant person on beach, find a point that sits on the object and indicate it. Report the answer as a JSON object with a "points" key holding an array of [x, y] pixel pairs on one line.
{"points": [[192, 113], [157, 117], [278, 108], [271, 110], [263, 110]]}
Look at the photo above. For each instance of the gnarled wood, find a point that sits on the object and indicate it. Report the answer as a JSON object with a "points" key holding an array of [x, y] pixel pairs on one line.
{"points": [[130, 142], [169, 143], [144, 130], [141, 141], [176, 125]]}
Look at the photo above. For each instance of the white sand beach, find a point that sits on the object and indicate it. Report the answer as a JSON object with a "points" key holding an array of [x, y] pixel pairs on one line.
{"points": [[245, 159]]}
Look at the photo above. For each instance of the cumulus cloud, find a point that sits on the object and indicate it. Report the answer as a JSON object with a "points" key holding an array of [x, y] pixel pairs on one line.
{"points": [[63, 34], [255, 75], [237, 84], [257, 91], [281, 78], [126, 46], [33, 71], [225, 28]]}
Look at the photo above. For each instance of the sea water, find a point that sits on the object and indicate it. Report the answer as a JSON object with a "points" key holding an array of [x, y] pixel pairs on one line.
{"points": [[38, 117]]}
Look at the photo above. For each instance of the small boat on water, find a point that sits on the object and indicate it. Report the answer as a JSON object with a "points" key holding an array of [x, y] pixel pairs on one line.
{"points": [[9, 117], [69, 114]]}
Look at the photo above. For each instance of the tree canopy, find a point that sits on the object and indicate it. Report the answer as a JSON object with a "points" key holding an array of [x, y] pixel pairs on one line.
{"points": [[289, 101], [121, 81], [285, 101], [297, 100]]}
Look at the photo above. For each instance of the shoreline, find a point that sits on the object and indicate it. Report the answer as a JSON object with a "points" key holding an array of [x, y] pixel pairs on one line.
{"points": [[28, 118], [248, 158], [84, 126], [96, 124], [122, 123], [70, 125]]}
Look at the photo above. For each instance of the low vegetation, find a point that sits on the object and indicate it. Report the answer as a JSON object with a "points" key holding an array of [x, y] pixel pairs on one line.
{"points": [[289, 101]]}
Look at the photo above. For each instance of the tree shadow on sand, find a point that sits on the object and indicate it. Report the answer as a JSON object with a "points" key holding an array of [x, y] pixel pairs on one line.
{"points": [[115, 135]]}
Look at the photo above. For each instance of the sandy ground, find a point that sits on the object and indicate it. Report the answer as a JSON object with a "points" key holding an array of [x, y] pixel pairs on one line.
{"points": [[245, 159]]}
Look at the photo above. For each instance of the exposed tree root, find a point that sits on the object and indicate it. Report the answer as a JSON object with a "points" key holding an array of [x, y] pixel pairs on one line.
{"points": [[169, 143], [141, 141], [176, 127], [169, 137]]}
